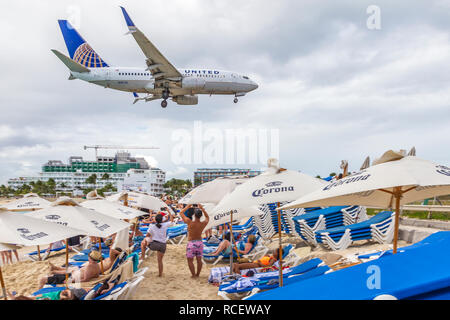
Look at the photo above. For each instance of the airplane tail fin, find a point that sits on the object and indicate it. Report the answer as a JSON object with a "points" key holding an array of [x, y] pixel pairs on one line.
{"points": [[79, 50], [72, 65]]}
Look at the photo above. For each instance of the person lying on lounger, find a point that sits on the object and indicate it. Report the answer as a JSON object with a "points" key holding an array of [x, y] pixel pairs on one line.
{"points": [[225, 246], [113, 254], [66, 294], [87, 272], [265, 261]]}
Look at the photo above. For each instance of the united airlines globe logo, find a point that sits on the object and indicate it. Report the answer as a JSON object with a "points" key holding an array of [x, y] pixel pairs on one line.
{"points": [[87, 57]]}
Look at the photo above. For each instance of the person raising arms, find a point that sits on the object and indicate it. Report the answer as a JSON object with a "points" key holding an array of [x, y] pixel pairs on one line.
{"points": [[194, 247]]}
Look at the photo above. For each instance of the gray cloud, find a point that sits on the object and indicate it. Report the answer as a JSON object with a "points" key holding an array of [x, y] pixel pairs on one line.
{"points": [[333, 88]]}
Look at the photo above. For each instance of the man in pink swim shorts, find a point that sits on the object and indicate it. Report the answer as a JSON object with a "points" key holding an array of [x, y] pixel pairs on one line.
{"points": [[194, 248]]}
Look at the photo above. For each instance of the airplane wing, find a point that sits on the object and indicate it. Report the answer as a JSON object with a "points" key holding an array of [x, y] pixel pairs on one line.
{"points": [[158, 65]]}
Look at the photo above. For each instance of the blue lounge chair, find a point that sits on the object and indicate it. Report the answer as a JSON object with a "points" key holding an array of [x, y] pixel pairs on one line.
{"points": [[401, 276], [379, 228], [245, 226], [266, 281]]}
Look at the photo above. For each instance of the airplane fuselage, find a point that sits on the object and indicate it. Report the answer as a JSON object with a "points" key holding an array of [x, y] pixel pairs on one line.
{"points": [[194, 81]]}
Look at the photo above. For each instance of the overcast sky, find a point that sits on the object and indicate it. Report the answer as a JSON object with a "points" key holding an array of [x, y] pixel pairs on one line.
{"points": [[334, 88]]}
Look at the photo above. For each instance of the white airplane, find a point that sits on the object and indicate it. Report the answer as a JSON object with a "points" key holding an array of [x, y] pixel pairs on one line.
{"points": [[160, 80]]}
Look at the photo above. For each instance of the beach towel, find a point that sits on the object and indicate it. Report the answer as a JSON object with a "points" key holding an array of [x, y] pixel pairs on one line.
{"points": [[127, 271], [217, 275], [242, 283], [135, 258]]}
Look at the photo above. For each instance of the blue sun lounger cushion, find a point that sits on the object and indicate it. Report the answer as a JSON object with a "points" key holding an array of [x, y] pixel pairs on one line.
{"points": [[401, 275]]}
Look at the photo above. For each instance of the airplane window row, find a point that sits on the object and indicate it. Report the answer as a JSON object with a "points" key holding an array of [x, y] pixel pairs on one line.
{"points": [[206, 76], [133, 74]]}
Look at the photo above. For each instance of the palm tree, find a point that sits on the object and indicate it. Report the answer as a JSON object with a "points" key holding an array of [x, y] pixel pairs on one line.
{"points": [[92, 179], [105, 176]]}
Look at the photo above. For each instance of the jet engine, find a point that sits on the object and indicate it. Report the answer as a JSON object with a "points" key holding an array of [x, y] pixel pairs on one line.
{"points": [[186, 100], [193, 83]]}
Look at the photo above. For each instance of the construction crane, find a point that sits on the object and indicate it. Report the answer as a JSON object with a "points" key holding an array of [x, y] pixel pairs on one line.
{"points": [[115, 147]]}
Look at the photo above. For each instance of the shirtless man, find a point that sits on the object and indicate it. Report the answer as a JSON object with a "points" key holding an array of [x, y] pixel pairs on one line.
{"points": [[194, 247], [87, 272]]}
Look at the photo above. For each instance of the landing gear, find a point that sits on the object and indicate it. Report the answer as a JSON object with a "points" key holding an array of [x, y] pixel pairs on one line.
{"points": [[164, 103], [235, 100], [165, 94]]}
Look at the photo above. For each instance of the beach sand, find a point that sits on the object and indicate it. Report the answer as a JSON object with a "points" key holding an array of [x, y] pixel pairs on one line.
{"points": [[176, 283], [23, 276]]}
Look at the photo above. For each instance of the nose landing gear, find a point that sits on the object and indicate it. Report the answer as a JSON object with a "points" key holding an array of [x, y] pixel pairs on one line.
{"points": [[235, 100], [164, 103]]}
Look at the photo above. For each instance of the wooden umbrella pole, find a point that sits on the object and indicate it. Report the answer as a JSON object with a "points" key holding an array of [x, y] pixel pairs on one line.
{"points": [[231, 240], [134, 230], [280, 249], [2, 281], [39, 253], [398, 195], [101, 255], [67, 262]]}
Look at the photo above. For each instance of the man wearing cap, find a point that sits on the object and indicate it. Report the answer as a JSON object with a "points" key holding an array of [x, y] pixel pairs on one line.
{"points": [[87, 272]]}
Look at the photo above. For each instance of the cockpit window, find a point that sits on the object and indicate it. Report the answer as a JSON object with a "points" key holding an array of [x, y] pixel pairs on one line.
{"points": [[245, 77]]}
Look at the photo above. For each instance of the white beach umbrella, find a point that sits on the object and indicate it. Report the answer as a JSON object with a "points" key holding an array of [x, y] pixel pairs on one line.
{"points": [[212, 191], [24, 230], [384, 185], [146, 201], [117, 197], [67, 212], [7, 247], [217, 218], [112, 209], [270, 187], [28, 231], [274, 185], [30, 201]]}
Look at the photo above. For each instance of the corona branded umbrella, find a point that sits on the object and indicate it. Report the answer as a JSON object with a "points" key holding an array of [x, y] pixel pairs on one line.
{"points": [[270, 187], [28, 202], [217, 218], [273, 186], [392, 182], [67, 212], [21, 229], [212, 191], [24, 230]]}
